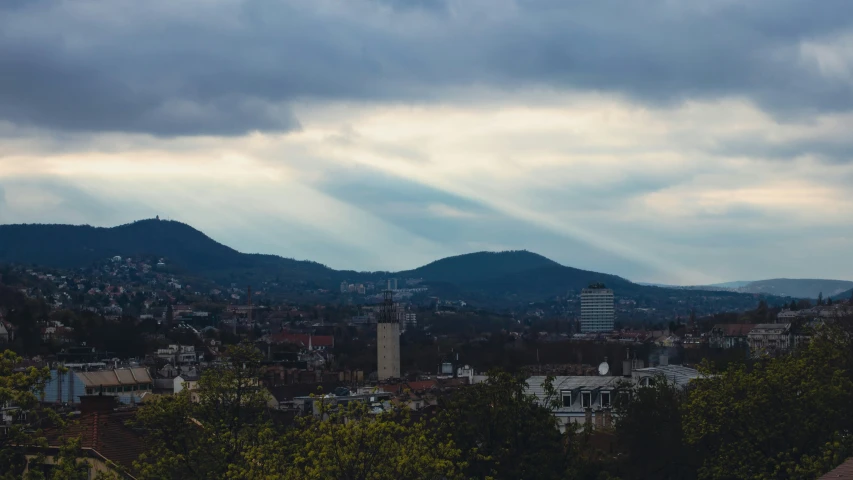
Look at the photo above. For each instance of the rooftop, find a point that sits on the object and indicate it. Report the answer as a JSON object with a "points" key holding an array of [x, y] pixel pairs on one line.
{"points": [[117, 377], [678, 374]]}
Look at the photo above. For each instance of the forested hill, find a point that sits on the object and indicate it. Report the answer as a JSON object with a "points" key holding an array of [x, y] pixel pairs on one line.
{"points": [[489, 278], [70, 246], [799, 287]]}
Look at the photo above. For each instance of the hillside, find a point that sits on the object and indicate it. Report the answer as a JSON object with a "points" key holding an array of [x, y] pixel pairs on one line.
{"points": [[73, 246], [799, 288], [480, 266], [487, 278]]}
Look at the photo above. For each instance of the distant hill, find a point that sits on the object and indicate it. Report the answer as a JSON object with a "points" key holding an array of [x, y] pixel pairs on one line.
{"points": [[480, 266], [75, 246], [799, 288], [513, 273], [489, 278], [735, 284], [846, 295]]}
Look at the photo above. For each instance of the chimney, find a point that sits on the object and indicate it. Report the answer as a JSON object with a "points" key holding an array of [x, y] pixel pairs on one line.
{"points": [[626, 368], [588, 416], [97, 403], [608, 419], [663, 360], [599, 419]]}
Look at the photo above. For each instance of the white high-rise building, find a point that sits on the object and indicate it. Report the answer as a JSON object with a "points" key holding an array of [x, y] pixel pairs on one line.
{"points": [[597, 312], [392, 284]]}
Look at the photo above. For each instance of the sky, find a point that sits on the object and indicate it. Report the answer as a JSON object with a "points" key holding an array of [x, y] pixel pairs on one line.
{"points": [[664, 141]]}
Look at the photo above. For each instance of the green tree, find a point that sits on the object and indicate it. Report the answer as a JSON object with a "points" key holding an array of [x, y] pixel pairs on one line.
{"points": [[503, 432], [203, 433], [820, 298], [21, 389], [352, 443], [788, 417], [648, 422]]}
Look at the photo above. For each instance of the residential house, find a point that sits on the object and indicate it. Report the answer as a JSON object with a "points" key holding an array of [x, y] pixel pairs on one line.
{"points": [[178, 354], [186, 382], [581, 399], [772, 338], [730, 335]]}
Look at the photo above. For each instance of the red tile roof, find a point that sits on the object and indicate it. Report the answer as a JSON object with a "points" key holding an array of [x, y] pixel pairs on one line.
{"points": [[735, 329], [104, 433], [845, 470]]}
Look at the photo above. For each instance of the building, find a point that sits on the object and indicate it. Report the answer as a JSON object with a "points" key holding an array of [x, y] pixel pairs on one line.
{"points": [[771, 338], [128, 384], [178, 354], [392, 284], [581, 399], [388, 340], [677, 374], [344, 287], [410, 320], [108, 443], [730, 335], [597, 312]]}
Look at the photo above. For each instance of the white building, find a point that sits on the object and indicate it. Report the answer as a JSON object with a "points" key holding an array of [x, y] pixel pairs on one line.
{"points": [[392, 284], [597, 312]]}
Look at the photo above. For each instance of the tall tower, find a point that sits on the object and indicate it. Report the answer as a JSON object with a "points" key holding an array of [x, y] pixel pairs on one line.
{"points": [[388, 339], [597, 312]]}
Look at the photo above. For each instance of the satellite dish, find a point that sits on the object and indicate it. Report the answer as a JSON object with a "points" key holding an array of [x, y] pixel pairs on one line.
{"points": [[604, 368]]}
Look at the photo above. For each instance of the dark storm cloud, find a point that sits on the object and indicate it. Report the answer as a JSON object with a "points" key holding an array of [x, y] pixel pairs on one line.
{"points": [[181, 68]]}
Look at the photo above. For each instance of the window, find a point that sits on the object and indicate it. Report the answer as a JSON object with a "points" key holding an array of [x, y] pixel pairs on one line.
{"points": [[586, 399], [567, 399], [605, 399]]}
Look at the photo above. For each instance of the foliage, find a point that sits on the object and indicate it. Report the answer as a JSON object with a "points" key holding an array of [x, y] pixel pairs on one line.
{"points": [[502, 431], [649, 422], [202, 433], [65, 466], [351, 443], [787, 417], [21, 390]]}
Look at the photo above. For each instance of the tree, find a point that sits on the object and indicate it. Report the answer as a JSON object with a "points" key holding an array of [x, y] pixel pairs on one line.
{"points": [[203, 433], [352, 443], [788, 417], [829, 301], [502, 431], [21, 389], [820, 298], [170, 314], [648, 422]]}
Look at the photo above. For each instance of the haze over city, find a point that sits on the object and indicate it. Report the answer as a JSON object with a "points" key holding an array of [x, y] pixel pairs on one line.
{"points": [[672, 142]]}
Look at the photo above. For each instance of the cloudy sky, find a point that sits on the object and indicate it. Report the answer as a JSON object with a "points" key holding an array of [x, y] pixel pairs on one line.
{"points": [[661, 140]]}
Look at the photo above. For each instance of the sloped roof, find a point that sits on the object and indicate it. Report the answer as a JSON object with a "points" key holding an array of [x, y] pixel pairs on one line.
{"points": [[734, 329], [771, 328], [117, 377], [845, 470], [106, 433], [535, 385]]}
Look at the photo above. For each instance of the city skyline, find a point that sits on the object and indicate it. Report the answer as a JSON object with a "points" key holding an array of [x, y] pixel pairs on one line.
{"points": [[387, 134]]}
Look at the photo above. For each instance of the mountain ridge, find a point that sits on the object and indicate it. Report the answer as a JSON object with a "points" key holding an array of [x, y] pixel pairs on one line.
{"points": [[517, 274]]}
